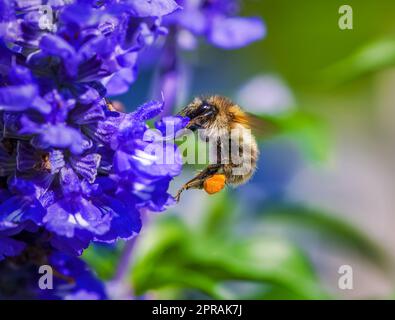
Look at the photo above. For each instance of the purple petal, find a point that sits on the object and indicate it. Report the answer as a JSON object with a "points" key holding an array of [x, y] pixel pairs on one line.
{"points": [[18, 210], [56, 160], [158, 160], [74, 246], [69, 181], [83, 294], [85, 284], [69, 215], [148, 110], [151, 8], [29, 158], [128, 59], [169, 126], [20, 75], [154, 196], [56, 46], [17, 98], [233, 33], [193, 20], [7, 162], [13, 125], [125, 223], [87, 114], [59, 136], [32, 185], [10, 247], [81, 14], [41, 105], [122, 161], [119, 82], [88, 93], [86, 166], [105, 131]]}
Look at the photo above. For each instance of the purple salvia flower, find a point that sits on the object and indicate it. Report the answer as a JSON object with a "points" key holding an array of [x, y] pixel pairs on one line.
{"points": [[73, 171], [217, 22], [61, 186]]}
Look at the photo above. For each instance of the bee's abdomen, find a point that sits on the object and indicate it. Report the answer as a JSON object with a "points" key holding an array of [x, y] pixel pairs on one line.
{"points": [[242, 160]]}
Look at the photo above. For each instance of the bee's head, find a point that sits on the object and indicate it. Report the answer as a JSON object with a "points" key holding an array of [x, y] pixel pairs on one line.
{"points": [[201, 112]]}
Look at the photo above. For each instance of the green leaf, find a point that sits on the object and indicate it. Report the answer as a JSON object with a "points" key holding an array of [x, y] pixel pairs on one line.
{"points": [[219, 214], [329, 226], [161, 241], [261, 259], [169, 275], [102, 260], [370, 58], [174, 256], [308, 131], [270, 292]]}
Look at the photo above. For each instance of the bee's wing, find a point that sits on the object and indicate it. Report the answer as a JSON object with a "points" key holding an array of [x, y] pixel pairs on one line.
{"points": [[262, 127]]}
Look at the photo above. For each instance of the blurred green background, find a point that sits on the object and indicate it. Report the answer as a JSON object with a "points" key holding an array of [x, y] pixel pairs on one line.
{"points": [[323, 196]]}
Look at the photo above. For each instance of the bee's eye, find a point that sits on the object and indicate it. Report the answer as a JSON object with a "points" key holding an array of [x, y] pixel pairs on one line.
{"points": [[207, 110]]}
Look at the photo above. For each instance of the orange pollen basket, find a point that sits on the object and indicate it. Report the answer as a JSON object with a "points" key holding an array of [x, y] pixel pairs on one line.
{"points": [[214, 184]]}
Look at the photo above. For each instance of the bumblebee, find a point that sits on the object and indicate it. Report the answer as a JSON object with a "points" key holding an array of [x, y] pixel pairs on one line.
{"points": [[226, 125]]}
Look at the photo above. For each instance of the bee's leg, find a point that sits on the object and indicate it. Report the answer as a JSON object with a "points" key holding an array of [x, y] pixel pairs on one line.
{"points": [[195, 183], [198, 181]]}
